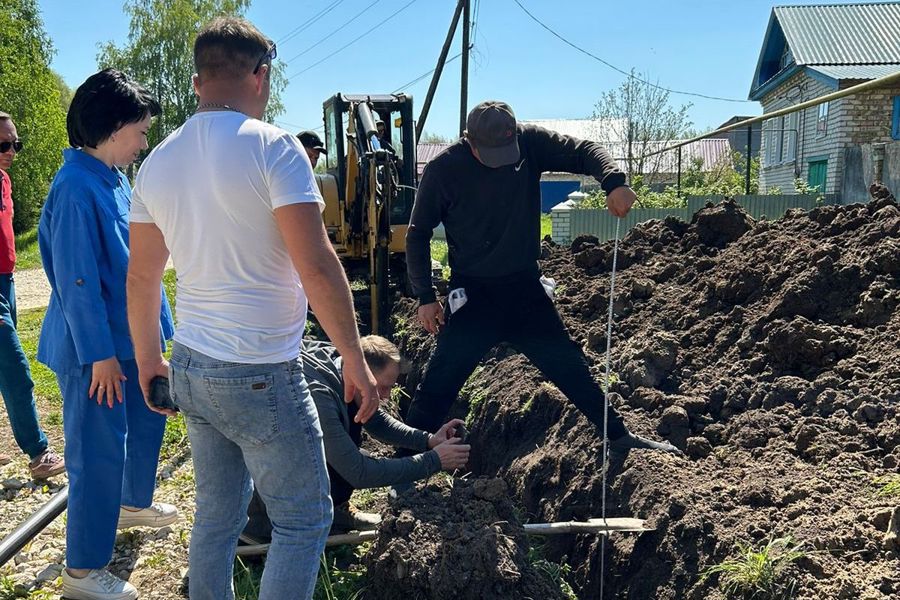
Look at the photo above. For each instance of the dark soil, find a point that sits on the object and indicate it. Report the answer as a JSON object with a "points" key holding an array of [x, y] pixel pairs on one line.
{"points": [[768, 350], [457, 540]]}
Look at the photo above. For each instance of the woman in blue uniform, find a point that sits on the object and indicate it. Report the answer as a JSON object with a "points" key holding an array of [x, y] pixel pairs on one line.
{"points": [[112, 438]]}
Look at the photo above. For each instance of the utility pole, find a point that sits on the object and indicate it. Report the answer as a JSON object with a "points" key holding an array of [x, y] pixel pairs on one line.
{"points": [[426, 106], [464, 86]]}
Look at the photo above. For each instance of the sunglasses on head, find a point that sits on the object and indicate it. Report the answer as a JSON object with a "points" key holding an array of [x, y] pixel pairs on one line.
{"points": [[16, 145], [270, 54]]}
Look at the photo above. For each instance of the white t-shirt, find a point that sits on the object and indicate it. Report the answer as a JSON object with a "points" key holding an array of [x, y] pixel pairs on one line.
{"points": [[212, 187]]}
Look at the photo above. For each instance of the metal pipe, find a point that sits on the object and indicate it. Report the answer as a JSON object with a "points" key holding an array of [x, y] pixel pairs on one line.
{"points": [[749, 159], [678, 182], [856, 89], [27, 531], [429, 97]]}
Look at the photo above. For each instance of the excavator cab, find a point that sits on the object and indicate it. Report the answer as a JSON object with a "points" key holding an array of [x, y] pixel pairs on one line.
{"points": [[369, 189]]}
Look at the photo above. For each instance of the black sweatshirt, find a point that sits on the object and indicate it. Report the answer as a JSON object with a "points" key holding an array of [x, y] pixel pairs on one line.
{"points": [[492, 216]]}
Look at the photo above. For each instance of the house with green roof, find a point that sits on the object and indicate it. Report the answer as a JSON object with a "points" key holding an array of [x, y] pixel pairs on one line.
{"points": [[808, 52]]}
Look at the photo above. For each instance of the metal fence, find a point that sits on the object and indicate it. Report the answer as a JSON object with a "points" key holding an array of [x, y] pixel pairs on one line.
{"points": [[600, 223]]}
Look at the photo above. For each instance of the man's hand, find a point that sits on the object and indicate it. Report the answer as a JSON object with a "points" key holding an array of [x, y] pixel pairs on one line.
{"points": [[158, 367], [453, 455], [359, 379], [446, 432], [619, 201], [431, 316]]}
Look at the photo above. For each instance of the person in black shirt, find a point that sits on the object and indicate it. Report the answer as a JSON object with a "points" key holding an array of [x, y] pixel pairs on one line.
{"points": [[313, 145], [383, 138], [485, 189]]}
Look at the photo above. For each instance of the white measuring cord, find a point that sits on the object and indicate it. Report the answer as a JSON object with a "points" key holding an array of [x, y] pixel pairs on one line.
{"points": [[609, 323]]}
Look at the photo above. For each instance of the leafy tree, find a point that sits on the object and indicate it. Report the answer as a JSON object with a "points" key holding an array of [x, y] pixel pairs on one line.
{"points": [[65, 92], [159, 54], [724, 179], [29, 92], [637, 119], [435, 138]]}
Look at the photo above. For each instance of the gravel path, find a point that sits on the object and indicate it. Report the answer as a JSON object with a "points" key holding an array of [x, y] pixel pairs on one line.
{"points": [[32, 289], [154, 560]]}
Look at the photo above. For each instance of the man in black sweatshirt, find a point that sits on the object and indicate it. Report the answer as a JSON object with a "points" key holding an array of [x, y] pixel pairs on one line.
{"points": [[485, 189]]}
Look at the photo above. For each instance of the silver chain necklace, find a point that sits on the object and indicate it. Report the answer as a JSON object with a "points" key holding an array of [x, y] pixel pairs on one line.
{"points": [[206, 106]]}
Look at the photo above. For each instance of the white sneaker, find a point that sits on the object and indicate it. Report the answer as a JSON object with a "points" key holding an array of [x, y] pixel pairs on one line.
{"points": [[99, 584], [157, 515]]}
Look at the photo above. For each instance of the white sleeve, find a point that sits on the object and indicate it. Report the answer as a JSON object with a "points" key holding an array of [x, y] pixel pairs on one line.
{"points": [[139, 213], [290, 175]]}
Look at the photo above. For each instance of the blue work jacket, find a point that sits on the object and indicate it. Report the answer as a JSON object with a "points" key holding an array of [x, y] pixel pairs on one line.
{"points": [[83, 237]]}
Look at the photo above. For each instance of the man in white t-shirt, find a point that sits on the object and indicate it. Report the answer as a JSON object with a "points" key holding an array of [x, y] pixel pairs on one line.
{"points": [[233, 199]]}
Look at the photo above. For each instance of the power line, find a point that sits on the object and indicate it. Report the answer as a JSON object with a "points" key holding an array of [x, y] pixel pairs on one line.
{"points": [[615, 68], [424, 75], [309, 22], [347, 45], [475, 11], [359, 14], [289, 125]]}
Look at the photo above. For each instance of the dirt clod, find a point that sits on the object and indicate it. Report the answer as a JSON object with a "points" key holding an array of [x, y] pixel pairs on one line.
{"points": [[454, 540]]}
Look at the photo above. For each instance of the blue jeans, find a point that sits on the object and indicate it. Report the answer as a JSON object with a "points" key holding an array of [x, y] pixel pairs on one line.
{"points": [[16, 385], [111, 459], [259, 421]]}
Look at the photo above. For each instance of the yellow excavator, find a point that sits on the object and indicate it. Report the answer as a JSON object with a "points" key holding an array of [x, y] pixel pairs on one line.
{"points": [[369, 189]]}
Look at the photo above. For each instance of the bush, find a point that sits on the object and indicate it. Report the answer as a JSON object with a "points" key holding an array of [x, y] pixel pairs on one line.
{"points": [[29, 92]]}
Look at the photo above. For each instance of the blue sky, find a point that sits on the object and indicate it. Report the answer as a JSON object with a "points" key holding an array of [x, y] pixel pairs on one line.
{"points": [[704, 46]]}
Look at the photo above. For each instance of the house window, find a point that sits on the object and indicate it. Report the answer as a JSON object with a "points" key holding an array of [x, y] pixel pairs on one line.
{"points": [[895, 123], [771, 137], [789, 136], [787, 57], [822, 120]]}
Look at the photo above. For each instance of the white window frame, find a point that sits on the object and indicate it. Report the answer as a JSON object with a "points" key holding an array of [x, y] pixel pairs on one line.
{"points": [[790, 123], [770, 127], [822, 119]]}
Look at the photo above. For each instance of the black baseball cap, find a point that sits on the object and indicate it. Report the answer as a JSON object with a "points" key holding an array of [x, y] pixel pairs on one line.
{"points": [[311, 140], [491, 128]]}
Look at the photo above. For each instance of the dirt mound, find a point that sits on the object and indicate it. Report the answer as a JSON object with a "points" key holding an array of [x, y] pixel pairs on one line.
{"points": [[767, 350], [454, 540]]}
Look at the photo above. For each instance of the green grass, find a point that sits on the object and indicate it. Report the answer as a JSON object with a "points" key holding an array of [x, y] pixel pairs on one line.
{"points": [[888, 486], [29, 328], [556, 574], [546, 227], [28, 256], [474, 394], [758, 574], [367, 498], [246, 580], [169, 285], [174, 437], [439, 251], [8, 592], [337, 583]]}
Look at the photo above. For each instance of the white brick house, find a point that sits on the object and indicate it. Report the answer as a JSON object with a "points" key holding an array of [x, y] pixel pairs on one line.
{"points": [[811, 51]]}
